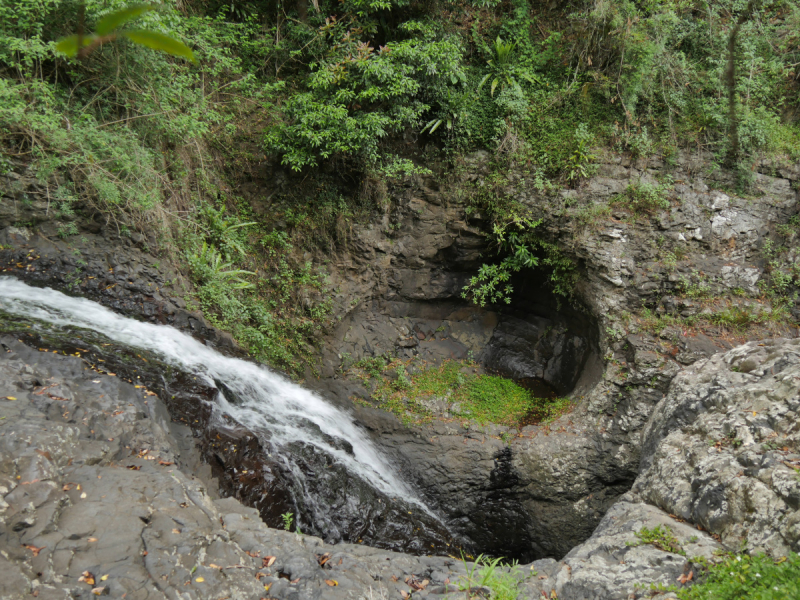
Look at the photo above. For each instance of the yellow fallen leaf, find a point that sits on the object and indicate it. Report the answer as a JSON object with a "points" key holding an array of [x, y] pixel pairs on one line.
{"points": [[10, 398], [91, 539], [332, 582], [104, 577], [83, 495], [199, 580], [176, 531]]}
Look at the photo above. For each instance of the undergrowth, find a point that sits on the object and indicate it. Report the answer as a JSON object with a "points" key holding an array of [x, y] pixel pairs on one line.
{"points": [[485, 572], [753, 577]]}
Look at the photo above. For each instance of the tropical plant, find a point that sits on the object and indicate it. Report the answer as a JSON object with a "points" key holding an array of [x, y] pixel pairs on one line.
{"points": [[491, 284], [504, 70], [208, 266], [579, 164]]}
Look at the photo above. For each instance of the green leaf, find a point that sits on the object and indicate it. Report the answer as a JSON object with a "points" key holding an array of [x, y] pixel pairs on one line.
{"points": [[494, 85], [530, 78], [69, 44], [160, 41], [112, 21], [484, 80]]}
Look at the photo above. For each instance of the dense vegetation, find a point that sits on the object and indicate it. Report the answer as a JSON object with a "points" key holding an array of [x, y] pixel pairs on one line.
{"points": [[347, 94]]}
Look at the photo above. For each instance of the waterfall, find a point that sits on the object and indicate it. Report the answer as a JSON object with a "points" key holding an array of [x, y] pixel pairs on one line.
{"points": [[267, 401]]}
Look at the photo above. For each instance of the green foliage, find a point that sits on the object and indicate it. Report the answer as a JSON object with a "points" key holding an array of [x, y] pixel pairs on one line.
{"points": [[781, 282], [756, 577], [357, 96], [579, 163], [373, 366], [478, 397], [209, 268], [660, 536], [81, 44], [504, 70], [493, 399], [288, 518], [643, 198], [486, 572], [515, 240], [154, 143], [491, 282]]}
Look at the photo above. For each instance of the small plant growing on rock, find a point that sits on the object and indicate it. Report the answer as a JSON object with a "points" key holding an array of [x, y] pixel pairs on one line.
{"points": [[644, 198], [288, 518], [660, 536], [484, 573], [403, 381]]}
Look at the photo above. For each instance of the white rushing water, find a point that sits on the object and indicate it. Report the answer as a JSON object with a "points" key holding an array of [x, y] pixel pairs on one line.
{"points": [[269, 401]]}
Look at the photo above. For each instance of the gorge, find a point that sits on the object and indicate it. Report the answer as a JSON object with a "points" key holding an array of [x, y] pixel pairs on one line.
{"points": [[400, 299]]}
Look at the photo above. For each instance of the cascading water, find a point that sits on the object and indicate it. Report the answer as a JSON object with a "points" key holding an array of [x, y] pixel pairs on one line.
{"points": [[309, 436]]}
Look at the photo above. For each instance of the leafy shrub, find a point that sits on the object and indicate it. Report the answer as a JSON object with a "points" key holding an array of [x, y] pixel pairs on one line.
{"points": [[643, 198], [359, 95], [491, 282]]}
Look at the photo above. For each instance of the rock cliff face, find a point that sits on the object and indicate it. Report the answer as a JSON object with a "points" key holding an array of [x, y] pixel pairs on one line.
{"points": [[672, 428], [99, 496]]}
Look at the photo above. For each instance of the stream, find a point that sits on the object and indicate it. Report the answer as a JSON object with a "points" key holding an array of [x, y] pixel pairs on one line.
{"points": [[330, 475]]}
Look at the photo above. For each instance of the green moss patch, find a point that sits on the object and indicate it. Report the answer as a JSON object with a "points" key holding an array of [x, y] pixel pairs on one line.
{"points": [[469, 395]]}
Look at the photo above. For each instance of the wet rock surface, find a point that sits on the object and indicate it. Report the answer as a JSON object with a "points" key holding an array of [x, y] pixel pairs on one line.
{"points": [[109, 269], [97, 498], [240, 460], [550, 486], [97, 495]]}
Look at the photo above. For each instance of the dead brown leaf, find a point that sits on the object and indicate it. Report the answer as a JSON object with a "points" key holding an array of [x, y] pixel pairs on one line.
{"points": [[268, 561], [332, 582], [34, 549], [323, 558], [164, 463], [87, 578]]}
